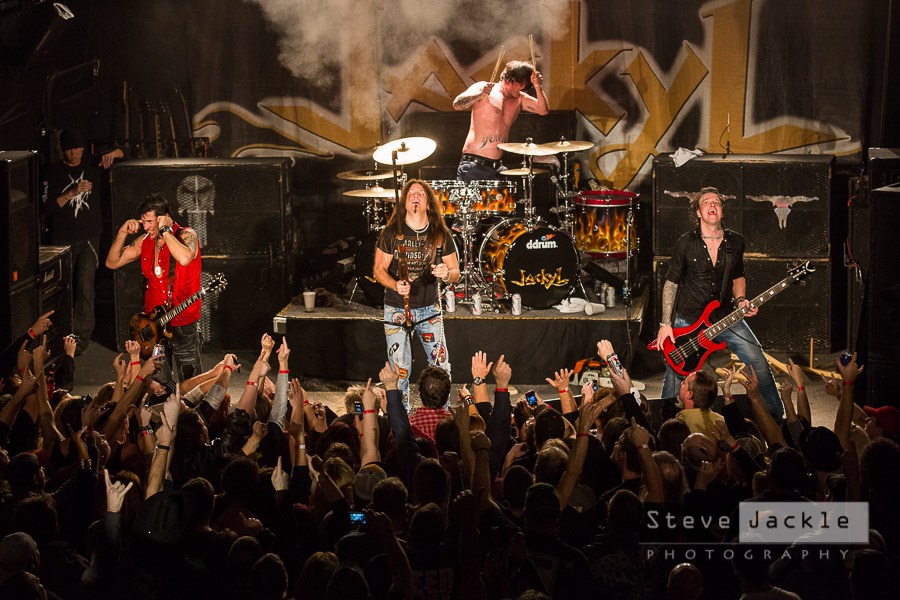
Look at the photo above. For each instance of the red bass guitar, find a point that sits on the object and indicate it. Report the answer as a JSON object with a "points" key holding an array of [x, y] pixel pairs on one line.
{"points": [[694, 343]]}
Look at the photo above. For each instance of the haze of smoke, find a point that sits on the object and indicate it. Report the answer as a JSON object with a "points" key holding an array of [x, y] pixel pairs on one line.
{"points": [[309, 34], [310, 30]]}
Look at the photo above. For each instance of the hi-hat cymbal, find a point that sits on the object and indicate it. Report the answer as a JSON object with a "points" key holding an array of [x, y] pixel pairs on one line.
{"points": [[528, 148], [565, 145], [366, 174], [524, 171], [409, 150], [373, 192]]}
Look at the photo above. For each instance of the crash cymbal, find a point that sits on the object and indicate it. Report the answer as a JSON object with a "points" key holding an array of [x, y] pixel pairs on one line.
{"points": [[565, 145], [528, 148], [366, 174], [523, 172], [409, 150], [373, 192]]}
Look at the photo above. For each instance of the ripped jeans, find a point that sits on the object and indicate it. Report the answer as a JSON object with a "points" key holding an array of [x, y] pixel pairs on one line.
{"points": [[430, 330]]}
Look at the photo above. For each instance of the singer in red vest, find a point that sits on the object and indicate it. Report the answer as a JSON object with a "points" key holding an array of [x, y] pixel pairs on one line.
{"points": [[170, 263]]}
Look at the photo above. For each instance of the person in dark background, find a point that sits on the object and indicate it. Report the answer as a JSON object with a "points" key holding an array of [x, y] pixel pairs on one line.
{"points": [[70, 199]]}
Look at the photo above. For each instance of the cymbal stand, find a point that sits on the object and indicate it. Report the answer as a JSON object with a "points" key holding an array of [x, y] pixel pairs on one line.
{"points": [[565, 215], [470, 278], [528, 183]]}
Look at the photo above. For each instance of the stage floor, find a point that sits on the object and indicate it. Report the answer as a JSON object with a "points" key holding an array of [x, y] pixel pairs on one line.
{"points": [[346, 341]]}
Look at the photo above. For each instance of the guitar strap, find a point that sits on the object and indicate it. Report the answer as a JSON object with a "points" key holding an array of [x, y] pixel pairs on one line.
{"points": [[729, 267]]}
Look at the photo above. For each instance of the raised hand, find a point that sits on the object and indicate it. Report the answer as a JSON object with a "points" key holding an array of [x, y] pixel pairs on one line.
{"points": [[832, 388], [637, 435], [389, 376], [133, 349], [40, 355], [560, 379], [23, 358], [850, 371], [267, 344], [368, 396], [796, 373], [115, 493], [502, 372], [70, 345], [587, 392], [707, 473], [283, 354], [260, 430], [42, 324], [480, 365], [119, 366], [604, 349], [280, 479], [721, 433]]}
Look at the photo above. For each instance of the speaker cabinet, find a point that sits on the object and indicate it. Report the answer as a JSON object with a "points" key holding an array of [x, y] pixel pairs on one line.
{"points": [[236, 206], [56, 293], [780, 204], [786, 322], [880, 322], [18, 194]]}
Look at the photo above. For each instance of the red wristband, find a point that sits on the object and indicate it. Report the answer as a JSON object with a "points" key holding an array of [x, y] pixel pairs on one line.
{"points": [[369, 411], [284, 371], [135, 362], [145, 432], [32, 333], [582, 434], [305, 402], [230, 368], [801, 389], [563, 391], [735, 447], [501, 390], [251, 383], [848, 383], [139, 378]]}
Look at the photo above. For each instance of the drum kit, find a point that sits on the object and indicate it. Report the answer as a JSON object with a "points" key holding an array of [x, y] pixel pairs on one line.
{"points": [[504, 248]]}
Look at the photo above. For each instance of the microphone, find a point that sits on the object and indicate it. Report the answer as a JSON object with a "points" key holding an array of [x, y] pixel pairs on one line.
{"points": [[559, 188], [439, 255]]}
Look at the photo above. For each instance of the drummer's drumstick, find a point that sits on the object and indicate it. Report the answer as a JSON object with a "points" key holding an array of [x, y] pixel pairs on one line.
{"points": [[531, 47], [497, 66]]}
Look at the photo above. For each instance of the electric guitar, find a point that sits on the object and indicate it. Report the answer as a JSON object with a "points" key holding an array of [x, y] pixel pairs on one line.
{"points": [[150, 329], [694, 343]]}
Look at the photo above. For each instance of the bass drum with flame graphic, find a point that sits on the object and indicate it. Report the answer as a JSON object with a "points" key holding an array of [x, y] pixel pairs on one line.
{"points": [[540, 264], [601, 223]]}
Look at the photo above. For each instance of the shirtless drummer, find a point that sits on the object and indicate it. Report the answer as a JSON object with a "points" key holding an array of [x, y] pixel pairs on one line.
{"points": [[494, 109]]}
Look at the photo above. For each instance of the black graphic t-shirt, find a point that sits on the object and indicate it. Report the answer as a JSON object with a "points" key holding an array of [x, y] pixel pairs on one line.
{"points": [[81, 218], [423, 285]]}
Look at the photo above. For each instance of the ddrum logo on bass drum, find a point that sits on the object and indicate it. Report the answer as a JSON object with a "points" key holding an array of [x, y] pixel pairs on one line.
{"points": [[544, 242]]}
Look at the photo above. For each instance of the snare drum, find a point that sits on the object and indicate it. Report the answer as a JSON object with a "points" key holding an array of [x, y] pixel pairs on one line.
{"points": [[496, 197], [601, 223], [539, 264], [449, 192]]}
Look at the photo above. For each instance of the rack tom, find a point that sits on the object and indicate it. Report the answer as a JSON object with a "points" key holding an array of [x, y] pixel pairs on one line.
{"points": [[603, 225]]}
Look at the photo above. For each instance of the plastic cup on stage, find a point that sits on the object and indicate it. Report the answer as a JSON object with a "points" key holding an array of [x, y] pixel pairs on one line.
{"points": [[309, 301], [592, 308]]}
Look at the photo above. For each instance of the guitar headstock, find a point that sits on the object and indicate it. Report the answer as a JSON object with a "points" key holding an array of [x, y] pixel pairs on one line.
{"points": [[216, 284], [799, 271]]}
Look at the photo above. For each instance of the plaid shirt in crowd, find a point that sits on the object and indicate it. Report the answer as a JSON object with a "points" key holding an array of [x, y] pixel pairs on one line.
{"points": [[426, 419]]}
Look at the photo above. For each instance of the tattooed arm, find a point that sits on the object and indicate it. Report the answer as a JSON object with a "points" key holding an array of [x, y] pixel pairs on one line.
{"points": [[668, 314], [183, 246], [472, 95]]}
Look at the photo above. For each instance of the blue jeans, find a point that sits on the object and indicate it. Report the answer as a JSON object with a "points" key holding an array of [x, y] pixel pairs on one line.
{"points": [[84, 271], [740, 340], [430, 330]]}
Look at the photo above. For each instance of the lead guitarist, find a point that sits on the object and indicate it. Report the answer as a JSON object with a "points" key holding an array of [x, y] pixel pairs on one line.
{"points": [[708, 264], [171, 265]]}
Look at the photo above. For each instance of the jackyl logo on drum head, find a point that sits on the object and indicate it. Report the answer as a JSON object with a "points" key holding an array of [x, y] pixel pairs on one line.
{"points": [[545, 241]]}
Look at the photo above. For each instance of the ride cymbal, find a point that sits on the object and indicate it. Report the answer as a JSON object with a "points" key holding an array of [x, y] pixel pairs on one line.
{"points": [[366, 174], [409, 150], [565, 145], [527, 148], [373, 192]]}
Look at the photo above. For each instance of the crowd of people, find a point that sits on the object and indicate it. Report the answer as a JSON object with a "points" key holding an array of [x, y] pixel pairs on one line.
{"points": [[149, 489]]}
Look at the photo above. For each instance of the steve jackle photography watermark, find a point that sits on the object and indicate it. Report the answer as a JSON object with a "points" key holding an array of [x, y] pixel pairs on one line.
{"points": [[802, 530]]}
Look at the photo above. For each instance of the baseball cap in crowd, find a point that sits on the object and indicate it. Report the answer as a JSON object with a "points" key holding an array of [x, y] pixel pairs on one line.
{"points": [[71, 139], [541, 496], [366, 480], [548, 424], [164, 516], [887, 417]]}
